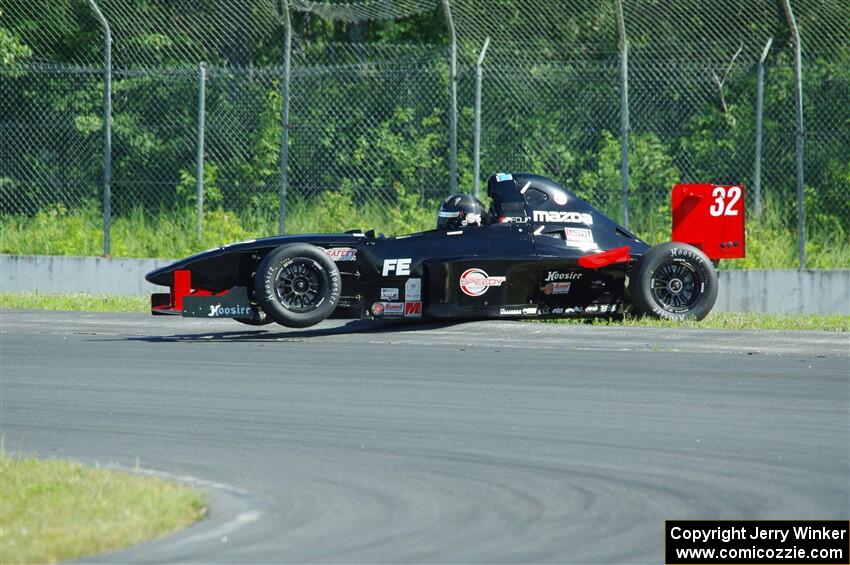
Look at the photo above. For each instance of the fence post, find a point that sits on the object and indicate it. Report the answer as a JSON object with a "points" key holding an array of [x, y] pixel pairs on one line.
{"points": [[199, 158], [453, 110], [624, 112], [798, 89], [476, 161], [759, 114], [284, 118], [107, 126]]}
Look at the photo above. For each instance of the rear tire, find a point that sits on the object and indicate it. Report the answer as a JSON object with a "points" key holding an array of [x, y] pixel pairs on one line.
{"points": [[297, 285], [674, 281]]}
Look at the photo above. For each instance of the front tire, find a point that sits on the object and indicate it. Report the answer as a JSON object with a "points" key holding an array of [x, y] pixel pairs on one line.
{"points": [[298, 285], [674, 281]]}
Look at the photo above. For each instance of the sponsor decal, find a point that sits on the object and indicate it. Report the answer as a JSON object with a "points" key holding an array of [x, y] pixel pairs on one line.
{"points": [[232, 304], [510, 312], [413, 289], [592, 309], [412, 309], [527, 311], [579, 234], [388, 309], [401, 267], [219, 311], [393, 308], [475, 282], [557, 288], [679, 252], [503, 177], [556, 217], [338, 254], [389, 294], [513, 219], [559, 276], [559, 197], [580, 237]]}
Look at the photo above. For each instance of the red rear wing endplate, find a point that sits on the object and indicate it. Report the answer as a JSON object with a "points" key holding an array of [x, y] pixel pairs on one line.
{"points": [[711, 217]]}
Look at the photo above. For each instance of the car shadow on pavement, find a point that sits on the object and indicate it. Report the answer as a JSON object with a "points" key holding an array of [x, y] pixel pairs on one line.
{"points": [[276, 333]]}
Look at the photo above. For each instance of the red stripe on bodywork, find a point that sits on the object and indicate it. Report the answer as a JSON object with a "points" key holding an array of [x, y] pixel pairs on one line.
{"points": [[182, 287], [597, 260]]}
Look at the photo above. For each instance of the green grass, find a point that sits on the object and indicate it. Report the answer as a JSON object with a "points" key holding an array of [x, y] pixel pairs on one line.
{"points": [[53, 510], [771, 242], [731, 321], [58, 231], [719, 320], [80, 302]]}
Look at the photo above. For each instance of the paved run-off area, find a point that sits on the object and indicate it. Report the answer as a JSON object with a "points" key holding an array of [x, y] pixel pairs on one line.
{"points": [[476, 442]]}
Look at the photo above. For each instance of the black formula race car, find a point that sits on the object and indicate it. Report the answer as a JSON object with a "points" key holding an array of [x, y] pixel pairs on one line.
{"points": [[537, 251]]}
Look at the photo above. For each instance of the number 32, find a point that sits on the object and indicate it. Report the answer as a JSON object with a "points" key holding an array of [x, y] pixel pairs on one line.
{"points": [[720, 206]]}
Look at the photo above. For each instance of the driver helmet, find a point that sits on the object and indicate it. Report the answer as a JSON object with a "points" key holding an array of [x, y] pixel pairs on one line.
{"points": [[461, 210]]}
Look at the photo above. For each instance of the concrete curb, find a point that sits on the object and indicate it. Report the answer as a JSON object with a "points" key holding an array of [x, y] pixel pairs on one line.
{"points": [[785, 291], [60, 273], [774, 291]]}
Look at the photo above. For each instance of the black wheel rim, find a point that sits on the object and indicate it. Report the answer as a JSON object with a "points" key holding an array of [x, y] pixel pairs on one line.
{"points": [[676, 287], [300, 285]]}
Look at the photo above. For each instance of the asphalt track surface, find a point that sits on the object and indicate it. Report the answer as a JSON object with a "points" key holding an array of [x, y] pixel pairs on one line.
{"points": [[476, 442]]}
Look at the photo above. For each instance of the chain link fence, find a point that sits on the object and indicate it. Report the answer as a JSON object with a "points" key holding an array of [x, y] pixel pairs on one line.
{"points": [[369, 124], [372, 120], [49, 154]]}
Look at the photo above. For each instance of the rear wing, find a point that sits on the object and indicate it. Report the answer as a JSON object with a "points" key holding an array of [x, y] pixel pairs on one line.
{"points": [[712, 218]]}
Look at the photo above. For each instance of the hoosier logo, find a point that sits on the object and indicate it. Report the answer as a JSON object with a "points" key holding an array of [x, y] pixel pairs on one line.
{"points": [[552, 276]]}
